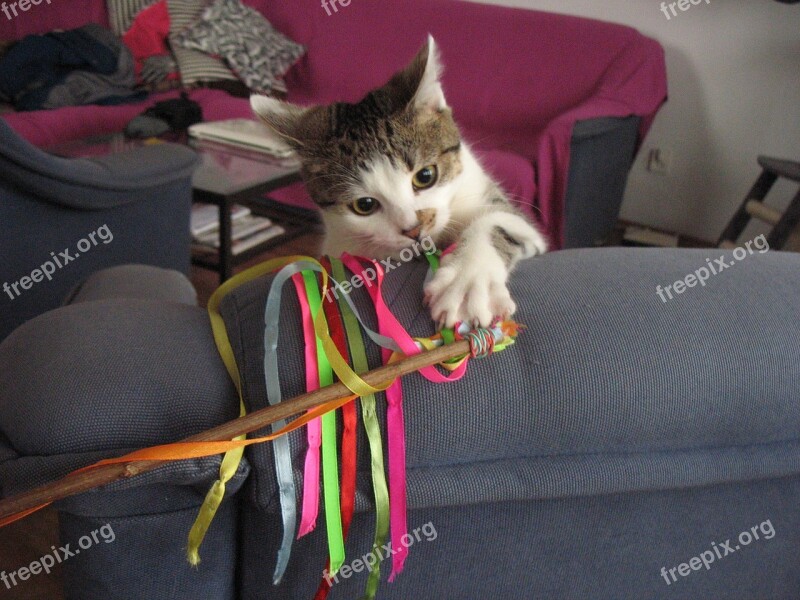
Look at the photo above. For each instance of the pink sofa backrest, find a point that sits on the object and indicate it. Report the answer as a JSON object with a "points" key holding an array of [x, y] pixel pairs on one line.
{"points": [[58, 14], [507, 72]]}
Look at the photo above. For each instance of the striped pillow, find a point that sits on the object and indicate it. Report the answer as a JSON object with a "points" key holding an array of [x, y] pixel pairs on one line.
{"points": [[122, 12], [196, 67]]}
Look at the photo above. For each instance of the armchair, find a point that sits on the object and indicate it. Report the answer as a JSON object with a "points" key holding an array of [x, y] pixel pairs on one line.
{"points": [[62, 220]]}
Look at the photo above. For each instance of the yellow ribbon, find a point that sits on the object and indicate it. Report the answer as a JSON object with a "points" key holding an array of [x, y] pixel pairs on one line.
{"points": [[232, 458]]}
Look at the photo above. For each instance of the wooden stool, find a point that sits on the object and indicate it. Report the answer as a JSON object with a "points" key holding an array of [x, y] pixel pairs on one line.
{"points": [[753, 206]]}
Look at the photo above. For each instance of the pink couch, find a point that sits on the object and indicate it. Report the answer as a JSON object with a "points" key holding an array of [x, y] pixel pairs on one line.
{"points": [[518, 82]]}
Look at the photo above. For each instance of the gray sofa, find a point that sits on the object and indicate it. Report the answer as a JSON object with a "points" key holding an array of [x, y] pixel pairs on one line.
{"points": [[62, 219], [625, 448]]}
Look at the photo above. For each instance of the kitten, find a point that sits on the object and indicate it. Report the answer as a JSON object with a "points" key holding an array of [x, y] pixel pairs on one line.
{"points": [[393, 169]]}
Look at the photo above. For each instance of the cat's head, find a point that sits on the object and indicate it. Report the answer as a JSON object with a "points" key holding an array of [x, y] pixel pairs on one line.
{"points": [[382, 170]]}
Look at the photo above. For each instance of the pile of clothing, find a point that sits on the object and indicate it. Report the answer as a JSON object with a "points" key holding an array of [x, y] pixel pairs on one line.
{"points": [[166, 44], [88, 65]]}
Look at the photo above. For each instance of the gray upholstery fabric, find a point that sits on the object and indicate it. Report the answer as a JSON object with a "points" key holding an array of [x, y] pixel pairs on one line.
{"points": [[609, 547], [105, 377], [600, 156], [622, 434], [136, 282], [607, 380], [609, 391], [154, 546], [49, 205]]}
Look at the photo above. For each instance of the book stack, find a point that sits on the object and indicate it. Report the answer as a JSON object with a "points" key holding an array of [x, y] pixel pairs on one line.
{"points": [[247, 230]]}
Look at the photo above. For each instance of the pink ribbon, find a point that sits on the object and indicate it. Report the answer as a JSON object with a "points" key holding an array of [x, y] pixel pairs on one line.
{"points": [[308, 520], [395, 423]]}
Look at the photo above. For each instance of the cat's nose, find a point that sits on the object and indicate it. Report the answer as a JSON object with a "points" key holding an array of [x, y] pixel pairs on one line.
{"points": [[425, 218], [414, 232]]}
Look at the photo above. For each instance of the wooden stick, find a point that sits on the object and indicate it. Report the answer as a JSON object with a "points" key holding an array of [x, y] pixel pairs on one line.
{"points": [[87, 480]]}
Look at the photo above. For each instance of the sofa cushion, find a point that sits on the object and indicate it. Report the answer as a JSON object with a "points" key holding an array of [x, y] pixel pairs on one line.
{"points": [[608, 390], [96, 378], [256, 51]]}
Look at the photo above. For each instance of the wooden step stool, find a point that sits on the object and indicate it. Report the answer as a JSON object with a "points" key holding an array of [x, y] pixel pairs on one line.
{"points": [[783, 224]]}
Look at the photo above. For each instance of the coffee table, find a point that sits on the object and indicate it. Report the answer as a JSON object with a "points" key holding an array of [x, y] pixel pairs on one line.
{"points": [[226, 176], [229, 176]]}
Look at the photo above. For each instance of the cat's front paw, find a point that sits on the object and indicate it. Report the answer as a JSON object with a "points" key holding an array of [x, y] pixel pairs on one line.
{"points": [[469, 291]]}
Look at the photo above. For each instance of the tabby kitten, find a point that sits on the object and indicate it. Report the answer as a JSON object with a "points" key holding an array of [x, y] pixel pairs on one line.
{"points": [[393, 169]]}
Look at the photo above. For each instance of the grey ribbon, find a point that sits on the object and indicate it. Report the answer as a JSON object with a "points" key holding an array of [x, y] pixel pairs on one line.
{"points": [[282, 451]]}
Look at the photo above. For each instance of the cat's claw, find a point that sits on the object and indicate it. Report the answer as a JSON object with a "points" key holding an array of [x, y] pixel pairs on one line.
{"points": [[469, 293]]}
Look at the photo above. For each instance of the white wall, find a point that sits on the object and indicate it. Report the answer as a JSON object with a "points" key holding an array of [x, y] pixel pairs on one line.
{"points": [[734, 93]]}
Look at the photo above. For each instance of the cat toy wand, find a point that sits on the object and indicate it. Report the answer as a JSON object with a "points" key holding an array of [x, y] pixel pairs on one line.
{"points": [[19, 506]]}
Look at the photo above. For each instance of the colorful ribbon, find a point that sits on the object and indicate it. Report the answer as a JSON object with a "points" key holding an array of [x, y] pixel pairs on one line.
{"points": [[349, 422], [358, 355], [308, 519], [388, 325], [232, 458], [329, 344]]}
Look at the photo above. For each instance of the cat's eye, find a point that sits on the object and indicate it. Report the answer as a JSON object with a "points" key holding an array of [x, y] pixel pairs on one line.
{"points": [[365, 206], [425, 177]]}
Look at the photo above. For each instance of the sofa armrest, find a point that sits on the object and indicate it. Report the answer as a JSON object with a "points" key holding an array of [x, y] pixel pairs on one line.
{"points": [[601, 154], [135, 205], [143, 282], [585, 132], [92, 183], [98, 379], [108, 376]]}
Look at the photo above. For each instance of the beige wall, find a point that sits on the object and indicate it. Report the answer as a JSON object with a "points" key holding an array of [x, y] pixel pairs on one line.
{"points": [[734, 81]]}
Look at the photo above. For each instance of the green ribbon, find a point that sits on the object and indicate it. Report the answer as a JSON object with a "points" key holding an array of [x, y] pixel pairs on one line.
{"points": [[358, 356], [330, 460]]}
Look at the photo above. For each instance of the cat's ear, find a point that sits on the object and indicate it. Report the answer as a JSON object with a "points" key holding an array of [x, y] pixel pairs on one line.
{"points": [[282, 120], [417, 86], [425, 71]]}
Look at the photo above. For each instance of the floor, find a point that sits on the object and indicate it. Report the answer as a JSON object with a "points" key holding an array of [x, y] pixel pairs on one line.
{"points": [[20, 544]]}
